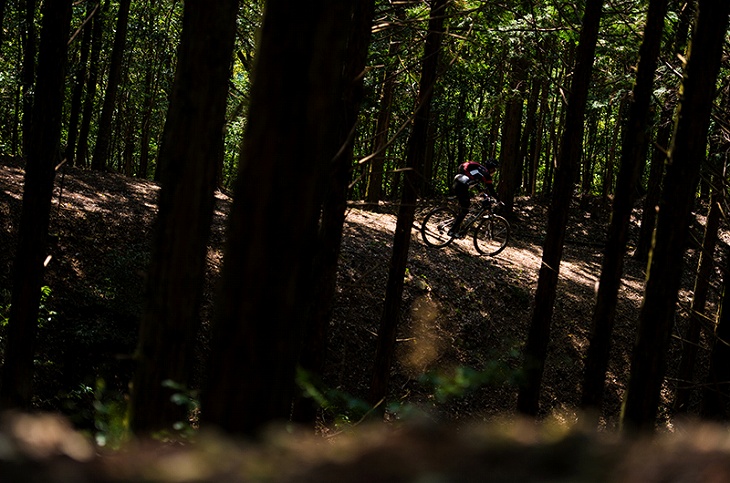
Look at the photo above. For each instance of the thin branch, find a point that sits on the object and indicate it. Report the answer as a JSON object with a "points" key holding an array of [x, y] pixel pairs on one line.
{"points": [[78, 31]]}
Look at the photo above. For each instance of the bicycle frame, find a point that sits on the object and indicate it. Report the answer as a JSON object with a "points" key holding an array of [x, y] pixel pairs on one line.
{"points": [[483, 212], [490, 231]]}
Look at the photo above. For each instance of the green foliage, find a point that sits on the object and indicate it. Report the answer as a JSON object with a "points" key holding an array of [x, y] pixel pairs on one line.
{"points": [[4, 307], [462, 380], [45, 312], [106, 410], [345, 410], [112, 425], [485, 41], [338, 406], [187, 398]]}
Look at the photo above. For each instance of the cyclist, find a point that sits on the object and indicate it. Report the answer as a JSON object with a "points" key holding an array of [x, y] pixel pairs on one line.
{"points": [[470, 174]]}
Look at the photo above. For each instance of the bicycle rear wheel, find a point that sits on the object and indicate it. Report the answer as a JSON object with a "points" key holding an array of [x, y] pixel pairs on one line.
{"points": [[491, 235], [436, 225]]}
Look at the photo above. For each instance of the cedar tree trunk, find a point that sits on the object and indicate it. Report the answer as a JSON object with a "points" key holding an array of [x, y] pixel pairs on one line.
{"points": [[170, 321], [648, 363]]}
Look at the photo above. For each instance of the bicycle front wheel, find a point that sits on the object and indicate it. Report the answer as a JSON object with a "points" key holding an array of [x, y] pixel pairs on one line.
{"points": [[436, 225], [492, 235]]}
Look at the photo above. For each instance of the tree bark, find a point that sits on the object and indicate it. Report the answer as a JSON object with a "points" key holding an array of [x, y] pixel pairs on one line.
{"points": [[78, 87], [530, 135], [715, 397], [565, 178], [82, 152], [43, 156], [145, 126], [102, 150], [648, 363], [538, 139], [510, 173], [654, 186], [414, 163], [171, 321], [633, 150], [3, 3], [28, 75], [374, 189], [271, 238], [697, 319], [334, 204], [661, 147]]}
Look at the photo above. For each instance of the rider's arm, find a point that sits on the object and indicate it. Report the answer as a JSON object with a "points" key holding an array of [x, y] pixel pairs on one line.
{"points": [[489, 188]]}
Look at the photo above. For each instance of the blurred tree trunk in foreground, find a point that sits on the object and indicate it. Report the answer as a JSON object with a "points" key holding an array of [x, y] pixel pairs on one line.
{"points": [[272, 233], [334, 202], [171, 319]]}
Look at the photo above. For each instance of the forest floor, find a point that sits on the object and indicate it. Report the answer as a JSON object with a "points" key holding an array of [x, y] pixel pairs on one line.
{"points": [[465, 316]]}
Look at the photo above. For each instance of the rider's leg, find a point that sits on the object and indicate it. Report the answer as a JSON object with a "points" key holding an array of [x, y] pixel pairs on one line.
{"points": [[462, 194]]}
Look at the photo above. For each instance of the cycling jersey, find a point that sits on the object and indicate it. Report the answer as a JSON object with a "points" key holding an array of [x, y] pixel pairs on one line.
{"points": [[471, 173]]}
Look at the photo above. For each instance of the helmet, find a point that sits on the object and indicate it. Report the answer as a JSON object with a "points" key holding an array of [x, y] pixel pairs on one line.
{"points": [[491, 164]]}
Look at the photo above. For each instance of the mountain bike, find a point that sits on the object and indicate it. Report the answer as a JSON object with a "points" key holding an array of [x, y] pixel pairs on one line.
{"points": [[490, 231]]}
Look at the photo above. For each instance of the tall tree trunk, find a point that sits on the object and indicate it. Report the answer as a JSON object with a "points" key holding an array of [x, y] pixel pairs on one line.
{"points": [[334, 204], [43, 156], [414, 163], [146, 126], [17, 94], [129, 128], [553, 147], [374, 189], [510, 173], [272, 226], [715, 398], [633, 150], [102, 150], [28, 74], [648, 363], [82, 152], [458, 129], [529, 133], [539, 137], [565, 178], [3, 4], [654, 186], [608, 188], [661, 145], [697, 318], [587, 161], [197, 110], [78, 86]]}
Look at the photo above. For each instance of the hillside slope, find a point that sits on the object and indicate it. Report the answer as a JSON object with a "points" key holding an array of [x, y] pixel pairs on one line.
{"points": [[465, 317]]}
